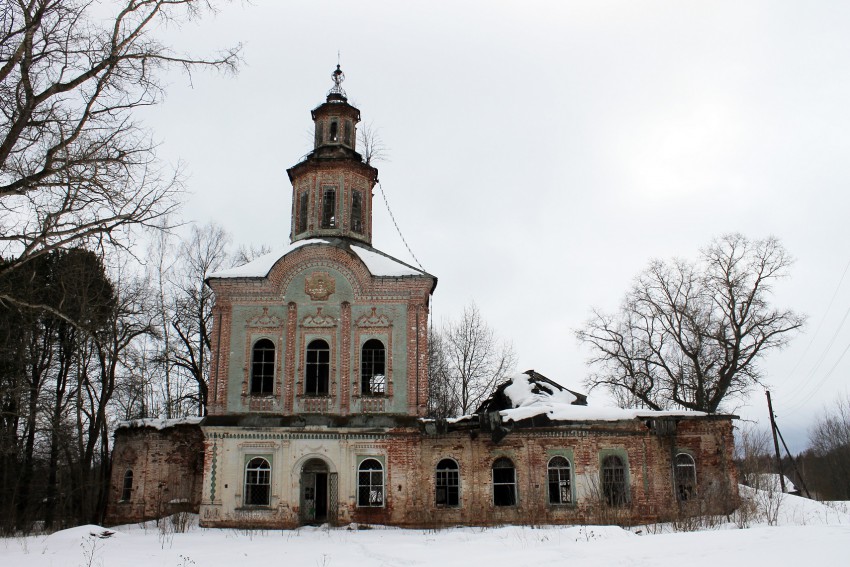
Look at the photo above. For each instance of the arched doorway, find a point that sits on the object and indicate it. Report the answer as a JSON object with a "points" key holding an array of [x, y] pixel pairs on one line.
{"points": [[318, 485]]}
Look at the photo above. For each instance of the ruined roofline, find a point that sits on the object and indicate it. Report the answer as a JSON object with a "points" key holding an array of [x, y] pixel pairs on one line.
{"points": [[158, 423]]}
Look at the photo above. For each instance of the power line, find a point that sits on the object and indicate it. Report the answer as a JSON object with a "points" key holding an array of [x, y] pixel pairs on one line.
{"points": [[826, 312], [801, 389], [820, 384], [392, 216]]}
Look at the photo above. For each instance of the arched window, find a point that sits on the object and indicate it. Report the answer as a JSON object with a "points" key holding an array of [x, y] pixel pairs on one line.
{"points": [[318, 368], [614, 488], [504, 482], [448, 483], [303, 201], [258, 477], [685, 476], [347, 138], [370, 484], [127, 487], [262, 367], [334, 134], [560, 491], [329, 207], [357, 211], [372, 368]]}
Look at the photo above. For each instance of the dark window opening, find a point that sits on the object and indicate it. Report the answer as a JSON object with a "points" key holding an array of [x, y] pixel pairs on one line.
{"points": [[333, 137], [127, 488], [357, 211], [559, 481], [447, 483], [318, 368], [685, 472], [614, 489], [329, 208], [258, 474], [370, 484], [372, 368], [504, 483], [347, 138], [302, 212], [262, 367], [318, 134]]}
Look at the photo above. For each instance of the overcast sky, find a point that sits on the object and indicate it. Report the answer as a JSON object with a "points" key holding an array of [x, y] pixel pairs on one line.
{"points": [[542, 153]]}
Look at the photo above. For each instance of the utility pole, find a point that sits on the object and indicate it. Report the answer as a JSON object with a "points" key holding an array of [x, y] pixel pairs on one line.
{"points": [[775, 442]]}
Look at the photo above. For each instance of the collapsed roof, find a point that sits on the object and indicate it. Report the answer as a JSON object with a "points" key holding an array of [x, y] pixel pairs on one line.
{"points": [[529, 400]]}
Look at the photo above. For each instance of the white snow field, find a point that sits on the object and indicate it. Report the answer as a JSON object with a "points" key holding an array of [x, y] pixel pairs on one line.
{"points": [[808, 533]]}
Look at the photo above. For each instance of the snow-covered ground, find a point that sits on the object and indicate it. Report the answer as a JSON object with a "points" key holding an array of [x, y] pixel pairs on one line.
{"points": [[808, 533]]}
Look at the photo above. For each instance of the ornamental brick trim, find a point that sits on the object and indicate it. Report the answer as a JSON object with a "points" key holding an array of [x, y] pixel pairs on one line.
{"points": [[318, 320], [265, 320], [374, 320], [289, 369], [370, 404], [269, 402], [345, 385], [319, 286]]}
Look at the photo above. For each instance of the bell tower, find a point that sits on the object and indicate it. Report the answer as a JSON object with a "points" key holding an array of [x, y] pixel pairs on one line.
{"points": [[332, 186]]}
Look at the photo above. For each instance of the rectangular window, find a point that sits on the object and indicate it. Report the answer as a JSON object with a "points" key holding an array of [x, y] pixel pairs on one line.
{"points": [[318, 134], [357, 211], [504, 483], [329, 208], [302, 212], [347, 132], [448, 493]]}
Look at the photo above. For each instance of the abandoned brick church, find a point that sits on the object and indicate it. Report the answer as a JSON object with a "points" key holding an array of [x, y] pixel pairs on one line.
{"points": [[317, 402]]}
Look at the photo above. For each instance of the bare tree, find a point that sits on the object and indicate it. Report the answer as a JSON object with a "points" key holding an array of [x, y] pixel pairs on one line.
{"points": [[202, 255], [441, 400], [753, 455], [472, 361], [828, 458], [248, 253], [372, 147], [75, 169], [689, 334]]}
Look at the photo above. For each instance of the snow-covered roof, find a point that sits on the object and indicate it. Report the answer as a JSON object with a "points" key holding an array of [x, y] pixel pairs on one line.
{"points": [[378, 263], [158, 423], [528, 399], [261, 266]]}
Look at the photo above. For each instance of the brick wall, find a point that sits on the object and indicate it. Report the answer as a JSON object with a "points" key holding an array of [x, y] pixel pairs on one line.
{"points": [[411, 457], [167, 467]]}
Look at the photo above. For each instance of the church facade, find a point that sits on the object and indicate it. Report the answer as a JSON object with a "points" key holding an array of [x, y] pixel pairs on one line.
{"points": [[318, 396]]}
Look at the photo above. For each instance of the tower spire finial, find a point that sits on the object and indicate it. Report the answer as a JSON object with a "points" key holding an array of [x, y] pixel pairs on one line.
{"points": [[337, 92]]}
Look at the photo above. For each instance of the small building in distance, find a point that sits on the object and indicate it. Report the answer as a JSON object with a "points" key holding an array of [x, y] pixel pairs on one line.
{"points": [[318, 386]]}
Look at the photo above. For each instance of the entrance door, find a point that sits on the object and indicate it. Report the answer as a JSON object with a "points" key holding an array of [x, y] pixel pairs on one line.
{"points": [[314, 492], [321, 497]]}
